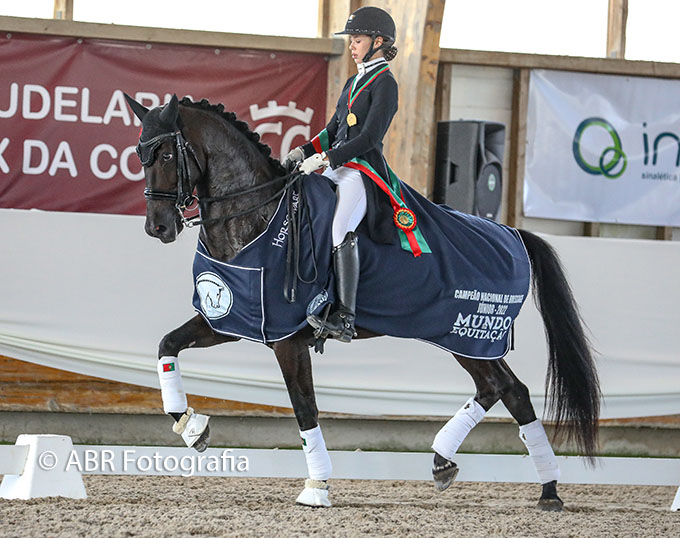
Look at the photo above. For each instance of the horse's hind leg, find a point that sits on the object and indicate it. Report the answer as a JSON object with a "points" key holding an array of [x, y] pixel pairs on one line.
{"points": [[196, 332], [495, 381], [516, 400], [296, 366], [490, 382]]}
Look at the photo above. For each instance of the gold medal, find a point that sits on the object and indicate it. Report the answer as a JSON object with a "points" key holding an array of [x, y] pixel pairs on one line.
{"points": [[351, 119]]}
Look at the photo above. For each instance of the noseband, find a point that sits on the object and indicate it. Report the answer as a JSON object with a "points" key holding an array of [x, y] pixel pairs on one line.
{"points": [[183, 197]]}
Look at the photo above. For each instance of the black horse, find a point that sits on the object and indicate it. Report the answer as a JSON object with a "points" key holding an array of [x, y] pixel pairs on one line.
{"points": [[199, 148]]}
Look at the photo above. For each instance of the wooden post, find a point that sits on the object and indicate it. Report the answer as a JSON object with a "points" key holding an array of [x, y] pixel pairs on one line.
{"points": [[332, 18], [323, 16], [591, 229], [408, 146], [518, 136], [664, 233], [616, 48], [442, 103], [63, 10], [616, 28]]}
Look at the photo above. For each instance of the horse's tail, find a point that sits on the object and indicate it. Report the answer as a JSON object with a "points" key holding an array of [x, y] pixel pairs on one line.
{"points": [[572, 385]]}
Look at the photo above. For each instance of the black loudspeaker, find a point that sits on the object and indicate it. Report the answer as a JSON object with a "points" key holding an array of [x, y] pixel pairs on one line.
{"points": [[469, 167]]}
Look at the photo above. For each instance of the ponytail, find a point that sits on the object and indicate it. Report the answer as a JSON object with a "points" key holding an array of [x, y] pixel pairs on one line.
{"points": [[390, 53]]}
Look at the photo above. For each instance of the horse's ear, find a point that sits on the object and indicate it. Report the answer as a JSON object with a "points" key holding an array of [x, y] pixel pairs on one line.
{"points": [[170, 112], [139, 109]]}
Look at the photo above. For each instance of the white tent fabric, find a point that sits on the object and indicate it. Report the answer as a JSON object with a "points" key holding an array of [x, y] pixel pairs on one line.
{"points": [[93, 294]]}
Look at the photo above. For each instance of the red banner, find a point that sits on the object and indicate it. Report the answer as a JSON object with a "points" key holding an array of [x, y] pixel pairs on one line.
{"points": [[67, 137]]}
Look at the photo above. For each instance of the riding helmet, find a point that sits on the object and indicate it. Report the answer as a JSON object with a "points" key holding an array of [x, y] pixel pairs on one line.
{"points": [[371, 21]]}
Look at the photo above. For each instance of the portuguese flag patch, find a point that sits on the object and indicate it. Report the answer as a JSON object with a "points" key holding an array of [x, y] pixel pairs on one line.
{"points": [[169, 367]]}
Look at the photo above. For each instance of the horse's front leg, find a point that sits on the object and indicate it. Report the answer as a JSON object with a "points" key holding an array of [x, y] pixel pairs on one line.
{"points": [[296, 366], [191, 426]]}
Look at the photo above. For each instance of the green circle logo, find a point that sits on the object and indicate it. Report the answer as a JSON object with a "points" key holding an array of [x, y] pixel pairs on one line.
{"points": [[492, 182], [611, 156]]}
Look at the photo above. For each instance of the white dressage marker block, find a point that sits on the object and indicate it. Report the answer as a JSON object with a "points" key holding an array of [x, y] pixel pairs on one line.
{"points": [[676, 503], [45, 473]]}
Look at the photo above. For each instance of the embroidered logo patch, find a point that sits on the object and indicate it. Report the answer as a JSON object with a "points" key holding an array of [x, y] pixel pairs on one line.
{"points": [[169, 367], [216, 297]]}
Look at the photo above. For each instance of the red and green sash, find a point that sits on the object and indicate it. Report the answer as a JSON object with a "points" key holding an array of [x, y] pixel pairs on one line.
{"points": [[410, 236], [320, 142]]}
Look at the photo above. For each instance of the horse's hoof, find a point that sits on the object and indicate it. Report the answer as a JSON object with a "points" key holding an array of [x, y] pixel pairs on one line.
{"points": [[315, 494], [203, 441], [444, 472], [194, 429], [549, 501], [550, 505]]}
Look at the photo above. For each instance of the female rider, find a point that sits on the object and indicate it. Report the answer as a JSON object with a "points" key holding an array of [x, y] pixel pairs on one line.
{"points": [[350, 151]]}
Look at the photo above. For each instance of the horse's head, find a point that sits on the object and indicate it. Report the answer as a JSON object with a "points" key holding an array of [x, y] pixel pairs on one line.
{"points": [[168, 168], [233, 172]]}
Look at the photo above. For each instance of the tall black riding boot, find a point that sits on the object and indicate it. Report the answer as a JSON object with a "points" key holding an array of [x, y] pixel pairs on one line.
{"points": [[340, 322]]}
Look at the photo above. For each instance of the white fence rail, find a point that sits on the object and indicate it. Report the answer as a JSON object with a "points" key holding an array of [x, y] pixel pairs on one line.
{"points": [[175, 461]]}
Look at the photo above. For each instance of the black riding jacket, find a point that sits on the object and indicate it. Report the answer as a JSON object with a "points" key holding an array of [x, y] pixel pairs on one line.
{"points": [[374, 108]]}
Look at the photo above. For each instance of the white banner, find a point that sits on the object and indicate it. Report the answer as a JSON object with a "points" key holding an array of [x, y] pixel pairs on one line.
{"points": [[603, 148], [93, 294]]}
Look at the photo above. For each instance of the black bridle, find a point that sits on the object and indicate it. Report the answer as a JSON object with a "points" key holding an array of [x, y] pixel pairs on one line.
{"points": [[183, 197]]}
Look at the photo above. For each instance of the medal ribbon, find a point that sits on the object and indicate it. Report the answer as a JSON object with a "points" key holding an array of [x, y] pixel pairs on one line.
{"points": [[411, 240], [353, 93]]}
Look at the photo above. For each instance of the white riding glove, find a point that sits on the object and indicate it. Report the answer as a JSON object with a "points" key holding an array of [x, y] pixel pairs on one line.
{"points": [[314, 162], [295, 155]]}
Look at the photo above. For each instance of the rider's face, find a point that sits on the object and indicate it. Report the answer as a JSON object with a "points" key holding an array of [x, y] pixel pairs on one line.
{"points": [[360, 44]]}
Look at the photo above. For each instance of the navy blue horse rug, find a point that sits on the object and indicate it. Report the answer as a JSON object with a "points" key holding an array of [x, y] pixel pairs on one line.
{"points": [[463, 296]]}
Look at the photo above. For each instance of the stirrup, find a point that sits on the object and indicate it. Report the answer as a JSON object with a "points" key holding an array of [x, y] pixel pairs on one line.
{"points": [[324, 330], [348, 330], [319, 323]]}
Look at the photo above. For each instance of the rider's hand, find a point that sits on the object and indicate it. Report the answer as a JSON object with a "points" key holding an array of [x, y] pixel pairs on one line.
{"points": [[295, 155], [316, 161]]}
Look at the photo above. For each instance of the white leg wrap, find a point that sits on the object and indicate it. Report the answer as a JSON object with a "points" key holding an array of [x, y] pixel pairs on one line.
{"points": [[537, 443], [318, 460], [172, 391], [447, 442]]}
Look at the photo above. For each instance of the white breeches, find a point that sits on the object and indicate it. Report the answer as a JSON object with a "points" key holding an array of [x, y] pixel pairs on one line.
{"points": [[351, 205]]}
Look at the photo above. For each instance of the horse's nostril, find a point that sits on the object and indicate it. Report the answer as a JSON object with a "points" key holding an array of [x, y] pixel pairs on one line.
{"points": [[159, 228]]}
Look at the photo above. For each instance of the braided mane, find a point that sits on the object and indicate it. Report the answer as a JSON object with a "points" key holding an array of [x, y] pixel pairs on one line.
{"points": [[242, 126]]}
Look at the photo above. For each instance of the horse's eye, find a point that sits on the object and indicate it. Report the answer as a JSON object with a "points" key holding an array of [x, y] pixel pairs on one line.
{"points": [[167, 157]]}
